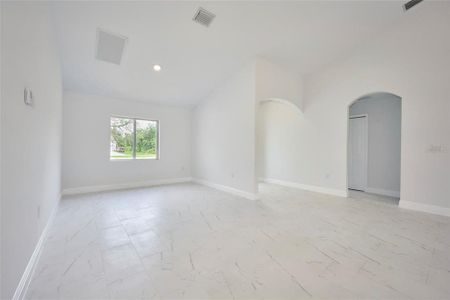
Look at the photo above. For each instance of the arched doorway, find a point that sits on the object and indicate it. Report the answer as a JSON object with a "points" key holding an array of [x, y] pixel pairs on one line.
{"points": [[278, 121], [374, 147]]}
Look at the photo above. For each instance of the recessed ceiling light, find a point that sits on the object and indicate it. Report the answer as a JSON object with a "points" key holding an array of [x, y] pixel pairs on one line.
{"points": [[157, 68]]}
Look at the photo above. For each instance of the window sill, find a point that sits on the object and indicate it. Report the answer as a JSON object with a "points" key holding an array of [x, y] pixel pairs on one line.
{"points": [[132, 159]]}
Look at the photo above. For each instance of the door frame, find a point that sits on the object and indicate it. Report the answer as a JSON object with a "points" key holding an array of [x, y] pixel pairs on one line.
{"points": [[366, 154]]}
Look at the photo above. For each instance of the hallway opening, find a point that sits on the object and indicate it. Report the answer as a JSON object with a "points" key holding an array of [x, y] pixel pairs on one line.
{"points": [[374, 147]]}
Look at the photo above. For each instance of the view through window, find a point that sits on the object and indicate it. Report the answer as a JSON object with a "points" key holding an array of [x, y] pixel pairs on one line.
{"points": [[133, 138]]}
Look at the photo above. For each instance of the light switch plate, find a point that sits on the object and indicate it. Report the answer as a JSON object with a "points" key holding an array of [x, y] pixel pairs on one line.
{"points": [[28, 96]]}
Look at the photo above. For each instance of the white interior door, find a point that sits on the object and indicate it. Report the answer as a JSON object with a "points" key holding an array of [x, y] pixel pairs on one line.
{"points": [[357, 152]]}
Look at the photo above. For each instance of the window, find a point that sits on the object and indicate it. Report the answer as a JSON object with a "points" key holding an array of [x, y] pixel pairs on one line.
{"points": [[134, 138]]}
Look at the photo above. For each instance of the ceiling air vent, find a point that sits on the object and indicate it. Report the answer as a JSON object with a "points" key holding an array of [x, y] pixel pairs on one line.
{"points": [[204, 17], [411, 4], [110, 46]]}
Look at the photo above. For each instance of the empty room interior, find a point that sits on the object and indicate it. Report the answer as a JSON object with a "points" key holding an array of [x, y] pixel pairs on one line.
{"points": [[225, 149]]}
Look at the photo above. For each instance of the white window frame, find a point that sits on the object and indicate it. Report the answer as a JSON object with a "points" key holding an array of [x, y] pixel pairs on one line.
{"points": [[134, 119]]}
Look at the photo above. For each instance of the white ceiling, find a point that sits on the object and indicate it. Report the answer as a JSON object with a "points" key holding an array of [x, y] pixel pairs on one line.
{"points": [[300, 35]]}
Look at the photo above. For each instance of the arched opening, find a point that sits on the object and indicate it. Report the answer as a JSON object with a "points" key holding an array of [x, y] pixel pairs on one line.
{"points": [[374, 147], [278, 122]]}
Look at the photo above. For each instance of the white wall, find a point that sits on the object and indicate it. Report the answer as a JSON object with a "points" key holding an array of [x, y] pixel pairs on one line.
{"points": [[276, 82], [31, 135], [280, 150], [1, 147], [86, 142], [384, 122], [224, 134], [412, 60]]}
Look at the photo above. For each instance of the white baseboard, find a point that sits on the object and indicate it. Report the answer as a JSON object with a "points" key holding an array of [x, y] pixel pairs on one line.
{"points": [[383, 192], [307, 187], [227, 189], [121, 186], [27, 275], [432, 209]]}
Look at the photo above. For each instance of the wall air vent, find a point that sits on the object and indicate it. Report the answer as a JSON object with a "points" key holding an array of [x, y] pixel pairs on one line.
{"points": [[204, 17], [411, 4], [110, 47]]}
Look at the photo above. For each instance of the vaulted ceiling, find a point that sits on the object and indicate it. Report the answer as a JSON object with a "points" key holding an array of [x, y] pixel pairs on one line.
{"points": [[302, 36]]}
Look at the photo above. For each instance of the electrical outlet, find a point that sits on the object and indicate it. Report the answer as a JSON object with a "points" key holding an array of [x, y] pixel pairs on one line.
{"points": [[437, 149]]}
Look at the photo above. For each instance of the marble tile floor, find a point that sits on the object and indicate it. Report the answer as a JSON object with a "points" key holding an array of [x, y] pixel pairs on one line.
{"points": [[373, 197], [187, 241]]}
